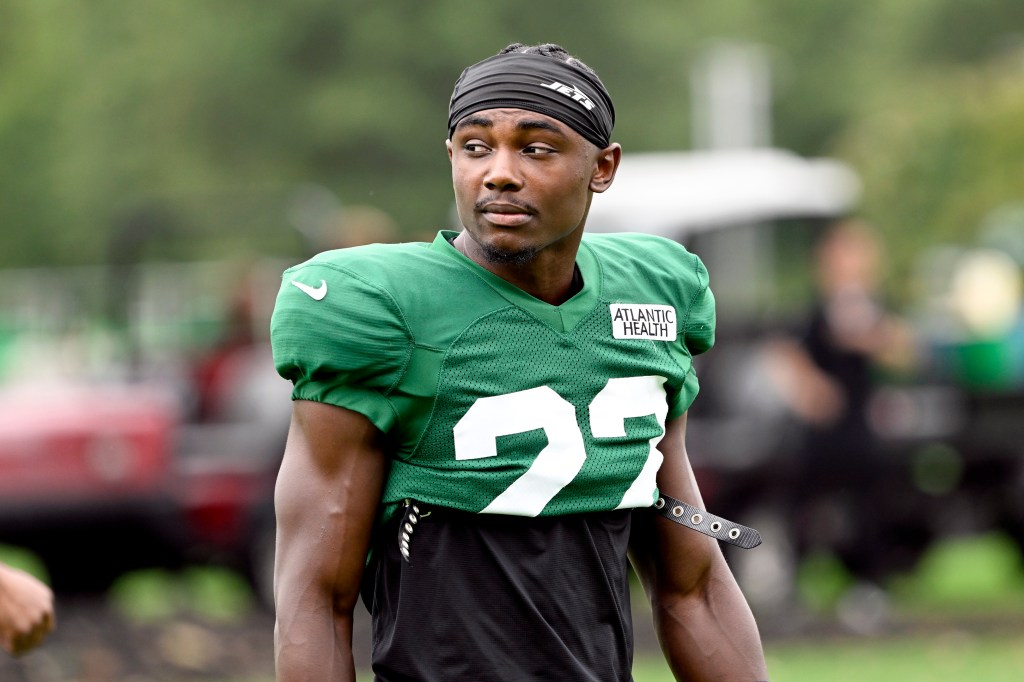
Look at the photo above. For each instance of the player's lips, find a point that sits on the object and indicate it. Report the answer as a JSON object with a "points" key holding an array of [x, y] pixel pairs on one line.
{"points": [[501, 213]]}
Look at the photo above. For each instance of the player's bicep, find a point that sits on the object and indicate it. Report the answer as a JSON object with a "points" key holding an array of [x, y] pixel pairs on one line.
{"points": [[326, 499], [670, 559]]}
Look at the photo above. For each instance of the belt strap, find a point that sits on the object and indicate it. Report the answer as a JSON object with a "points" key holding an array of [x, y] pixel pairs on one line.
{"points": [[707, 523]]}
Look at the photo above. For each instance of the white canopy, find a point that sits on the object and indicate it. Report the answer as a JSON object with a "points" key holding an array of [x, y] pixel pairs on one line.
{"points": [[676, 193]]}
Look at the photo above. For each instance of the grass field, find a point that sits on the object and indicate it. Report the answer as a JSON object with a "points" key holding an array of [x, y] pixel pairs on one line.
{"points": [[940, 658], [959, 616], [945, 657]]}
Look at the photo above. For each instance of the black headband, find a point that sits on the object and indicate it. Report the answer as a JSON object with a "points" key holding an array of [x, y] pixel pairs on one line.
{"points": [[534, 82]]}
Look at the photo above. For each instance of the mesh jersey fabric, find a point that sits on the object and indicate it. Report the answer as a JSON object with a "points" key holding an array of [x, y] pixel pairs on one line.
{"points": [[496, 401]]}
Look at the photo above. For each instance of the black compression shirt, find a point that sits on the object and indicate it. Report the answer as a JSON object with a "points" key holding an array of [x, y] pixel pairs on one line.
{"points": [[501, 598]]}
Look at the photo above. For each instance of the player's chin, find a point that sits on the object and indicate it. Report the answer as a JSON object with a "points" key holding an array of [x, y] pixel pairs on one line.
{"points": [[508, 251]]}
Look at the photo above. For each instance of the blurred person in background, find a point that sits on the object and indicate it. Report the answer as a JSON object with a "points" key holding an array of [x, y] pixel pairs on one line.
{"points": [[440, 421], [26, 610], [828, 375]]}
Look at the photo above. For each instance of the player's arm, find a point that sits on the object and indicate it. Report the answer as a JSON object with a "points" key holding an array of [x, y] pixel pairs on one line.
{"points": [[26, 610], [327, 495], [702, 619]]}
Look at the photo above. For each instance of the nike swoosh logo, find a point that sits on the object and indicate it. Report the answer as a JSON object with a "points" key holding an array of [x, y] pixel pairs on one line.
{"points": [[315, 293]]}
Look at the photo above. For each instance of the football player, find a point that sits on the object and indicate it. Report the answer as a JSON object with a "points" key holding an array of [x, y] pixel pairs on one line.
{"points": [[489, 427]]}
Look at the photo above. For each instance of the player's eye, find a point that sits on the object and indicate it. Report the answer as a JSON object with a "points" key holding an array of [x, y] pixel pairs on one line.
{"points": [[537, 150], [474, 147]]}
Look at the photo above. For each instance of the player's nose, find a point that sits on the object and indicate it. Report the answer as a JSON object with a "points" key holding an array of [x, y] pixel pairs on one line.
{"points": [[503, 172]]}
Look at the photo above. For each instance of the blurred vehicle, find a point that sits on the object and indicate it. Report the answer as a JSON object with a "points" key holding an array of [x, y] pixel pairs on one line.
{"points": [[142, 421], [107, 462], [951, 456], [85, 479], [99, 480]]}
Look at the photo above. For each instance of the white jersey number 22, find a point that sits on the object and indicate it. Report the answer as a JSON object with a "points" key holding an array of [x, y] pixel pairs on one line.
{"points": [[561, 460]]}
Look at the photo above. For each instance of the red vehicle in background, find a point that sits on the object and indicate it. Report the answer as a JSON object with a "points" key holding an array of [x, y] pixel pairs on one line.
{"points": [[86, 479], [170, 458], [99, 480]]}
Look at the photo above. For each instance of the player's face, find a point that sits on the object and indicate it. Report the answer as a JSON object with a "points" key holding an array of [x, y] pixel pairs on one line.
{"points": [[523, 183]]}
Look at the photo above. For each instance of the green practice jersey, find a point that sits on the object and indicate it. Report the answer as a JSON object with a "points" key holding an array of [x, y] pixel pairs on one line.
{"points": [[493, 400]]}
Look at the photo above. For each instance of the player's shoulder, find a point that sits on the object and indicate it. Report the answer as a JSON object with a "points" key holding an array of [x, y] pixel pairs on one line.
{"points": [[356, 285], [635, 246], [372, 262], [627, 254], [336, 316]]}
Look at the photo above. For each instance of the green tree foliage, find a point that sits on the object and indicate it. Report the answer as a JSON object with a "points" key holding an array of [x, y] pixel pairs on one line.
{"points": [[940, 157], [210, 114]]}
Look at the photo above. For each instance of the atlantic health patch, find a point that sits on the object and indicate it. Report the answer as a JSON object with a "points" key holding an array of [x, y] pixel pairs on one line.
{"points": [[643, 321]]}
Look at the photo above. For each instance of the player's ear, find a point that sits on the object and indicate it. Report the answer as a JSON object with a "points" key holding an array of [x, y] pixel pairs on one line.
{"points": [[605, 166], [448, 146]]}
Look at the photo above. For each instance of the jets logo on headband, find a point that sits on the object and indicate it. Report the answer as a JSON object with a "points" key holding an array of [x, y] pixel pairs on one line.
{"points": [[570, 91], [536, 83]]}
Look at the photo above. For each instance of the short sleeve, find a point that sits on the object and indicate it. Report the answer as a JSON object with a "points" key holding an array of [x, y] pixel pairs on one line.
{"points": [[697, 331], [340, 339], [699, 325]]}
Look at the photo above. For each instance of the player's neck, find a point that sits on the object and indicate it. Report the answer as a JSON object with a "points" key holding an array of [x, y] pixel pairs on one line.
{"points": [[550, 276], [555, 289]]}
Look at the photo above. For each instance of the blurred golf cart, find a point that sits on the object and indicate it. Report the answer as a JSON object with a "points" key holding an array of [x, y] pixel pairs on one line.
{"points": [[950, 437], [753, 216]]}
